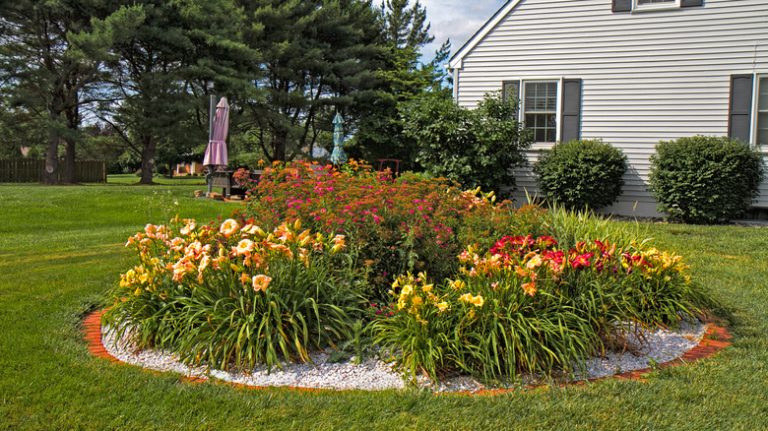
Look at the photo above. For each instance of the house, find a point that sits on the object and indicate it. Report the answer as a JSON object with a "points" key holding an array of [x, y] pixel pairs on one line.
{"points": [[631, 72], [188, 168]]}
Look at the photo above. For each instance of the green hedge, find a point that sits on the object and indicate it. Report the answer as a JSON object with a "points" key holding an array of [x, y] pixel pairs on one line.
{"points": [[582, 174], [705, 179]]}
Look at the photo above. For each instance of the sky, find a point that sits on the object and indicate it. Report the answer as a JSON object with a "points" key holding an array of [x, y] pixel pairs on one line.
{"points": [[457, 20]]}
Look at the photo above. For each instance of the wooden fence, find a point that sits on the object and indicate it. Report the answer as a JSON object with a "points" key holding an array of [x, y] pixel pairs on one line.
{"points": [[31, 171]]}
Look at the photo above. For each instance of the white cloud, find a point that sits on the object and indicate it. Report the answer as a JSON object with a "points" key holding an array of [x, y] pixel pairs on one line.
{"points": [[457, 20]]}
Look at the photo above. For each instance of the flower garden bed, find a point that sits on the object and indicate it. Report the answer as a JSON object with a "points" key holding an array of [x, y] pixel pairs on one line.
{"points": [[414, 272]]}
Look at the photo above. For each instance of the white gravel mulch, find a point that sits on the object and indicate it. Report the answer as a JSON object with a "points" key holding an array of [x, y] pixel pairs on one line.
{"points": [[373, 374]]}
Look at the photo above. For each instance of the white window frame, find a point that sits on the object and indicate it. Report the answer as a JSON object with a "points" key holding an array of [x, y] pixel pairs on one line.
{"points": [[637, 7], [756, 110], [521, 104]]}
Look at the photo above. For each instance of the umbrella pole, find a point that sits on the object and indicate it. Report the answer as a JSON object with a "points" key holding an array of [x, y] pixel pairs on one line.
{"points": [[211, 114]]}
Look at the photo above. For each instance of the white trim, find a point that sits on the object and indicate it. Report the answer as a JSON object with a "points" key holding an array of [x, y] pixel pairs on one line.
{"points": [[755, 95], [637, 7], [756, 111], [456, 85], [457, 61]]}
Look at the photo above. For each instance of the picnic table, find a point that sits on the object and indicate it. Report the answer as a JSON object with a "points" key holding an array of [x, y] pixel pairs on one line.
{"points": [[224, 181]]}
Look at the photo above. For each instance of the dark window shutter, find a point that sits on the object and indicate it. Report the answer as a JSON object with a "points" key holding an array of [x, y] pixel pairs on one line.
{"points": [[691, 3], [510, 90], [570, 120], [740, 117], [622, 6]]}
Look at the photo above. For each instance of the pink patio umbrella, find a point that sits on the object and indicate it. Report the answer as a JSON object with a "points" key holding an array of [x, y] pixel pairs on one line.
{"points": [[216, 152]]}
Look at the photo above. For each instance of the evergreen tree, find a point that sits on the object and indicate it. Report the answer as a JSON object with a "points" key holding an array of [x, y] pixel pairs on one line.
{"points": [[318, 57], [159, 73], [44, 73], [403, 78], [404, 26]]}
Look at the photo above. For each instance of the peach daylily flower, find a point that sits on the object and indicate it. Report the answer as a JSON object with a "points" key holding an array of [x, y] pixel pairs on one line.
{"points": [[261, 282], [189, 227], [177, 244], [529, 288], [245, 246], [229, 227], [282, 249]]}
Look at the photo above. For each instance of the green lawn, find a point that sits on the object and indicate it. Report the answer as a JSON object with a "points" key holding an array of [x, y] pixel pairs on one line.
{"points": [[62, 247], [131, 179]]}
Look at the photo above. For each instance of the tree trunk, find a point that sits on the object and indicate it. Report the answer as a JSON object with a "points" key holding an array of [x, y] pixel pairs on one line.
{"points": [[279, 146], [68, 173], [147, 159], [51, 168], [73, 123]]}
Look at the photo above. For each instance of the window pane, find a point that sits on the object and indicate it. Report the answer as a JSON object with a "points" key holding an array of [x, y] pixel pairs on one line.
{"points": [[763, 97], [762, 112], [510, 91], [762, 128], [540, 108]]}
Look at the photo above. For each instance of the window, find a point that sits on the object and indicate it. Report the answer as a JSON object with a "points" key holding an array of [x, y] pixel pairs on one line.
{"points": [[510, 90], [762, 112], [641, 5], [540, 109]]}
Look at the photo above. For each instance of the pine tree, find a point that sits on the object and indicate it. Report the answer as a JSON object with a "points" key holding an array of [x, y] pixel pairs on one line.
{"points": [[317, 57], [404, 26], [403, 78], [46, 74], [160, 69]]}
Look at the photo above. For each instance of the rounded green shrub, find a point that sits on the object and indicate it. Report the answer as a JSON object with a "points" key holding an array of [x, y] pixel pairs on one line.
{"points": [[705, 179], [581, 174]]}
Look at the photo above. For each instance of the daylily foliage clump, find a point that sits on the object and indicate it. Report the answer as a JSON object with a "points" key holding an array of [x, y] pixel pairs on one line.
{"points": [[527, 305], [236, 295]]}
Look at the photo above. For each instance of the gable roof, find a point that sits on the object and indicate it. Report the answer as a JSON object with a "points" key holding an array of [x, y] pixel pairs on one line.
{"points": [[456, 60]]}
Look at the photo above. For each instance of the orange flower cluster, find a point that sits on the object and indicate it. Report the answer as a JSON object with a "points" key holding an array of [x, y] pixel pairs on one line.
{"points": [[241, 250]]}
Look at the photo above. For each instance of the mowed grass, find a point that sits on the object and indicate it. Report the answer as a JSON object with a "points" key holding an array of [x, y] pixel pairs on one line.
{"points": [[62, 247], [131, 179]]}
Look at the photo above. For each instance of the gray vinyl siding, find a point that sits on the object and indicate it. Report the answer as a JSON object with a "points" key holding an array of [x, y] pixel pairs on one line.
{"points": [[647, 76]]}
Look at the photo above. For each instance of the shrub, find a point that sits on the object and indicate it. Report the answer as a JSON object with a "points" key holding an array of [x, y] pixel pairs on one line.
{"points": [[582, 174], [705, 179], [527, 305], [409, 223], [235, 296], [477, 148]]}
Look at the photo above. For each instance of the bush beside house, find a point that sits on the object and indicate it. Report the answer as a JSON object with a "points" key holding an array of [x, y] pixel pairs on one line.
{"points": [[475, 147], [582, 174], [705, 179]]}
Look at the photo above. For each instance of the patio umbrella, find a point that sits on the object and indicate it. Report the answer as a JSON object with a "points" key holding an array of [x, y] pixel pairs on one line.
{"points": [[216, 152]]}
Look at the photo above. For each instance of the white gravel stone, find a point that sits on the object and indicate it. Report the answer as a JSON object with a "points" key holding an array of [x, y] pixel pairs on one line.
{"points": [[373, 374]]}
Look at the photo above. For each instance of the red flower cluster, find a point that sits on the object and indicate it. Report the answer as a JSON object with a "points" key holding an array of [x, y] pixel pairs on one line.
{"points": [[530, 259], [405, 223]]}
